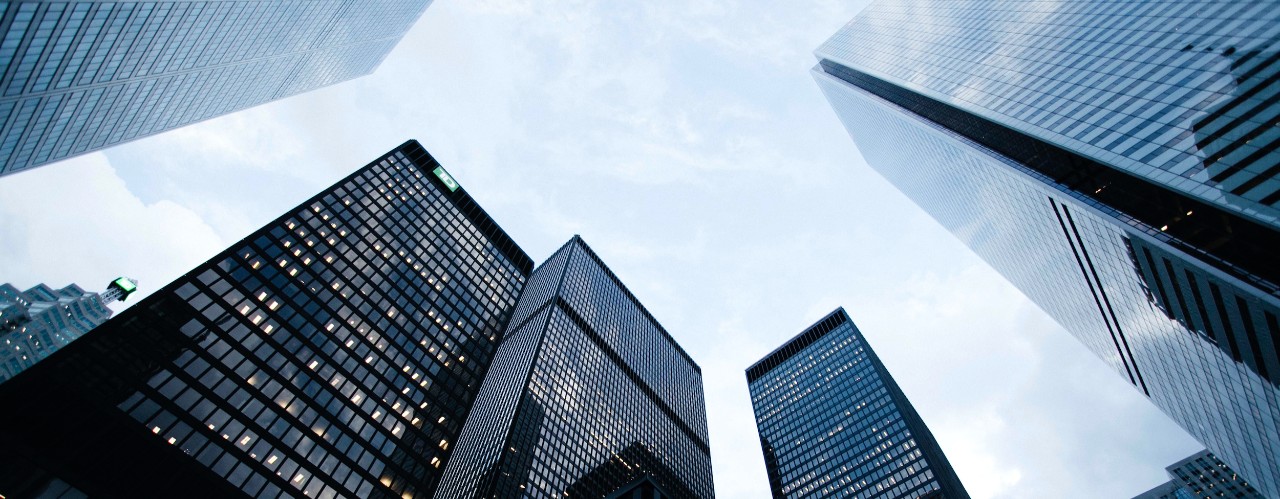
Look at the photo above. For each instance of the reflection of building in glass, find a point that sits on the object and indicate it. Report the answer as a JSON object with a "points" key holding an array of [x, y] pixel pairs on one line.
{"points": [[334, 352], [35, 323], [833, 423], [1237, 135], [642, 488], [76, 77], [606, 385], [1129, 189], [525, 431], [1201, 475]]}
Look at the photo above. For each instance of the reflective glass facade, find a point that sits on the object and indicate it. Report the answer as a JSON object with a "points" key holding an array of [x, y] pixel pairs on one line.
{"points": [[833, 423], [1063, 152], [81, 76], [335, 352], [37, 322], [1167, 490], [1202, 475], [1180, 92], [587, 394]]}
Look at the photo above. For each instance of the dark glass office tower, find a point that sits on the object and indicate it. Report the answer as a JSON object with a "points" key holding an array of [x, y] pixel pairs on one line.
{"points": [[1115, 160], [334, 352], [76, 77], [833, 423], [1202, 475], [587, 395]]}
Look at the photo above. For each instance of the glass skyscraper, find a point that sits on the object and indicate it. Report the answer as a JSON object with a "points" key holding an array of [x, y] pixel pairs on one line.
{"points": [[587, 394], [335, 352], [36, 322], [1202, 475], [81, 76], [833, 423], [1117, 161]]}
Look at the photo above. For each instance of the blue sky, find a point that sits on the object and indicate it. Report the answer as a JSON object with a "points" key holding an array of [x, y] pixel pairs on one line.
{"points": [[686, 142]]}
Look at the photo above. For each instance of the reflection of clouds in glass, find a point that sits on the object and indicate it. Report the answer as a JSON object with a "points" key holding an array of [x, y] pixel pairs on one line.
{"points": [[1129, 93], [1175, 326], [122, 74], [1236, 134]]}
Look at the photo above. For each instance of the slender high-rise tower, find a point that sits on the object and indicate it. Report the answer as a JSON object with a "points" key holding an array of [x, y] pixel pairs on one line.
{"points": [[833, 423], [1115, 160], [588, 396], [335, 352], [36, 322], [79, 76]]}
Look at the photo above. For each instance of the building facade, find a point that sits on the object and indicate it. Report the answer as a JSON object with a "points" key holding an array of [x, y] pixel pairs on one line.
{"points": [[36, 322], [1167, 490], [1202, 476], [587, 395], [1117, 162], [82, 76], [335, 352], [833, 423]]}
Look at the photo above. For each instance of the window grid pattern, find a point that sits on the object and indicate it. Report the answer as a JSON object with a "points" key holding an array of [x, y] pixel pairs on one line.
{"points": [[1203, 475], [80, 76], [1183, 92], [628, 329], [335, 352], [833, 425], [378, 307], [39, 321], [1088, 269], [579, 416]]}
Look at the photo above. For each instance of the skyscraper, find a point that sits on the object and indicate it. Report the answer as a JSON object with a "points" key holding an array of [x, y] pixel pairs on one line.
{"points": [[336, 351], [81, 76], [1201, 475], [40, 320], [1117, 162], [833, 423], [587, 395]]}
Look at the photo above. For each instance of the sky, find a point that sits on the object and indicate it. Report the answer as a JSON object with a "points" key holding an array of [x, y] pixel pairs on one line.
{"points": [[687, 143]]}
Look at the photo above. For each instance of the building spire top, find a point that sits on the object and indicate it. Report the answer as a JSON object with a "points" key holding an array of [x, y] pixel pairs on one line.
{"points": [[119, 289]]}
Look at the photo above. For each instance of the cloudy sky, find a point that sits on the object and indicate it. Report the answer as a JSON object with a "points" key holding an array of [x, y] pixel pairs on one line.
{"points": [[686, 142]]}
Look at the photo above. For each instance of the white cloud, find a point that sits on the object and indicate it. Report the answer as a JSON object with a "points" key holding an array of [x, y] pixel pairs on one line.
{"points": [[687, 143], [77, 222]]}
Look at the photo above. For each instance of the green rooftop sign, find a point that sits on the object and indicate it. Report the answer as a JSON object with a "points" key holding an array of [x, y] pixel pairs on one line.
{"points": [[125, 285], [446, 178]]}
